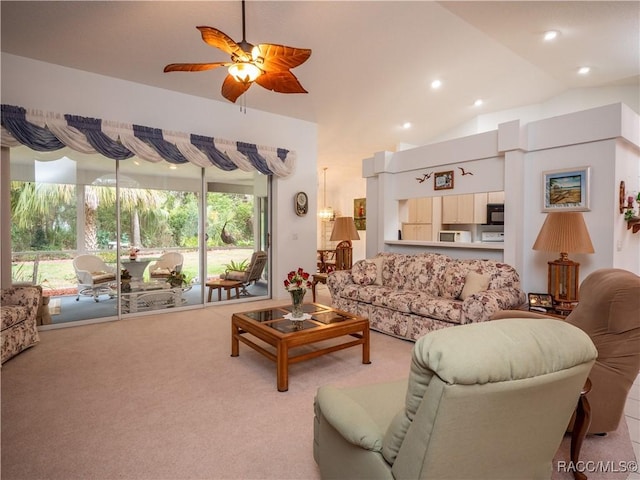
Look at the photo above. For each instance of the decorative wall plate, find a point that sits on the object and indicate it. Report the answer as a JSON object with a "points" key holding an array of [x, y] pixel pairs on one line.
{"points": [[301, 204]]}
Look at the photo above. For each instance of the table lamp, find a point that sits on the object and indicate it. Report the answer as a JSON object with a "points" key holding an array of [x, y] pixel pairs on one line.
{"points": [[564, 232], [344, 228]]}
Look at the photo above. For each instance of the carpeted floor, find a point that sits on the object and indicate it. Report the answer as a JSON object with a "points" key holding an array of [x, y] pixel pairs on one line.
{"points": [[159, 397]]}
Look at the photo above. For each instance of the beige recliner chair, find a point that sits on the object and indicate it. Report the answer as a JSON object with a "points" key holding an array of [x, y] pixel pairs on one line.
{"points": [[609, 313], [483, 401]]}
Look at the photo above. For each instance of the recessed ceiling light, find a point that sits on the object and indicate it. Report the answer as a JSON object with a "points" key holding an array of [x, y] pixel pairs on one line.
{"points": [[406, 125], [478, 102], [550, 35], [584, 70], [172, 167], [436, 84]]}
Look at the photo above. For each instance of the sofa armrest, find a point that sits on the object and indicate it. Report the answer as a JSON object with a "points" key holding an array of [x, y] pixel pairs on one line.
{"points": [[337, 280], [353, 423], [480, 306]]}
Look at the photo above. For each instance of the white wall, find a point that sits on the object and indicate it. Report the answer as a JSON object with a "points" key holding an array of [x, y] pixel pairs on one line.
{"points": [[33, 84], [607, 139]]}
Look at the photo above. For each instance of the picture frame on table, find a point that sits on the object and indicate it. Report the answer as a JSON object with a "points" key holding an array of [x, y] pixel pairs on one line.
{"points": [[566, 190], [540, 302], [443, 180]]}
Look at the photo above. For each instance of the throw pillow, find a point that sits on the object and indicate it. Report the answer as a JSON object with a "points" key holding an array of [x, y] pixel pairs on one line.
{"points": [[474, 283], [453, 281], [363, 272], [378, 262]]}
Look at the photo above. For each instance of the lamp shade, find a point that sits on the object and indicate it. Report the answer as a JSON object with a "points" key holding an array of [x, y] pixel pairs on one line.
{"points": [[344, 228], [564, 232]]}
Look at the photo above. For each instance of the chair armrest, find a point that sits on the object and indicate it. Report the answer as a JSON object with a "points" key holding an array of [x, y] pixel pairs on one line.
{"points": [[516, 314], [349, 419], [84, 277]]}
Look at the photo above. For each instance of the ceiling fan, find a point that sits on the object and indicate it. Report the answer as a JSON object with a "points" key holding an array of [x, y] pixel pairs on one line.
{"points": [[266, 64]]}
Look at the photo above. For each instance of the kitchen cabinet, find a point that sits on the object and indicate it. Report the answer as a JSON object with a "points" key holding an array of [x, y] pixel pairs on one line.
{"points": [[419, 219], [420, 210], [417, 231], [495, 197], [470, 208]]}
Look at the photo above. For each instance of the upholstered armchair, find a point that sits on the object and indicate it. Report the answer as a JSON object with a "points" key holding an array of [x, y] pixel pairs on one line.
{"points": [[168, 262], [19, 309], [486, 401], [608, 312], [93, 276]]}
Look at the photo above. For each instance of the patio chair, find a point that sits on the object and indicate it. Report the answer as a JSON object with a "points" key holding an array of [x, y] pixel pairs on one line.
{"points": [[162, 268], [94, 276], [251, 274]]}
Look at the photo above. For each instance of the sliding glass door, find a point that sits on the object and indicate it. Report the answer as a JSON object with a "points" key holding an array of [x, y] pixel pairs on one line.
{"points": [[106, 238]]}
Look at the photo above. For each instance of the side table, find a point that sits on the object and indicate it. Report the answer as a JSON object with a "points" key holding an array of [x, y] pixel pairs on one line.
{"points": [[220, 284], [315, 279]]}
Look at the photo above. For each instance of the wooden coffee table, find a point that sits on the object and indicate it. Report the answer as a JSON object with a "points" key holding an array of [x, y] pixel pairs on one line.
{"points": [[270, 326], [220, 284]]}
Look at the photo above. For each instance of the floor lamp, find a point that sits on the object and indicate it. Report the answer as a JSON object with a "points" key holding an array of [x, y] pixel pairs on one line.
{"points": [[564, 232]]}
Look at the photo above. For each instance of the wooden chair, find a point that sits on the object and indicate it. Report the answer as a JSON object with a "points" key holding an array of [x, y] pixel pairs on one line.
{"points": [[344, 256], [252, 274]]}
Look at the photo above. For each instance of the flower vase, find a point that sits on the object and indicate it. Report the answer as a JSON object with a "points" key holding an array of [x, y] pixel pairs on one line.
{"points": [[297, 299]]}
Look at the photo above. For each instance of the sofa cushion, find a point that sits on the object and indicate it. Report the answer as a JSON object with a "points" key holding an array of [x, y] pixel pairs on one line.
{"points": [[363, 293], [474, 283], [446, 309], [399, 300]]}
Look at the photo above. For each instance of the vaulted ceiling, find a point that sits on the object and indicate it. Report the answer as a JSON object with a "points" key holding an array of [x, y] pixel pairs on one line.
{"points": [[372, 63]]}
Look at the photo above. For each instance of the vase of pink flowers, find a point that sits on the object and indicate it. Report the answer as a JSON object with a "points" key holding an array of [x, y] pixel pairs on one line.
{"points": [[296, 283]]}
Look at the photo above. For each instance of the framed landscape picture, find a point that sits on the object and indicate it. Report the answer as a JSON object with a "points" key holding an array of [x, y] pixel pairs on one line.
{"points": [[443, 180], [566, 190]]}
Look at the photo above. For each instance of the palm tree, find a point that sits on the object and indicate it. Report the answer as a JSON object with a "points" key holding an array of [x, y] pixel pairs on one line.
{"points": [[39, 204]]}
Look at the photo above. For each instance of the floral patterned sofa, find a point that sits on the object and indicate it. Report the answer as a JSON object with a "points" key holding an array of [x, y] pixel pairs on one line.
{"points": [[410, 295], [18, 310]]}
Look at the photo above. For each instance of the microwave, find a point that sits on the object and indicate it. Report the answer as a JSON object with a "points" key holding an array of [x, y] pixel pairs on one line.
{"points": [[455, 236], [495, 214]]}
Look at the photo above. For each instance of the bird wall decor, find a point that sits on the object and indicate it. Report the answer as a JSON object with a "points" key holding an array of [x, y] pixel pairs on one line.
{"points": [[424, 177], [464, 172]]}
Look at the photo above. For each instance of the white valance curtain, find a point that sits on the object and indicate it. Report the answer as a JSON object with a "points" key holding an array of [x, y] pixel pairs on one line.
{"points": [[45, 131]]}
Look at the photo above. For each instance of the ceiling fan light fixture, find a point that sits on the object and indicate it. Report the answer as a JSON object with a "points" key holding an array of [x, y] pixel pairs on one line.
{"points": [[244, 72]]}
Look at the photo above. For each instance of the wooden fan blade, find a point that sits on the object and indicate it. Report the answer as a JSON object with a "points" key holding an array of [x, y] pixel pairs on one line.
{"points": [[216, 38], [193, 67], [281, 82], [232, 89], [278, 58]]}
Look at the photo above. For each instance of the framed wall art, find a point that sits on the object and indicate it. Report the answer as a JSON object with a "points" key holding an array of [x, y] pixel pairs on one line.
{"points": [[566, 190], [443, 180], [360, 213]]}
